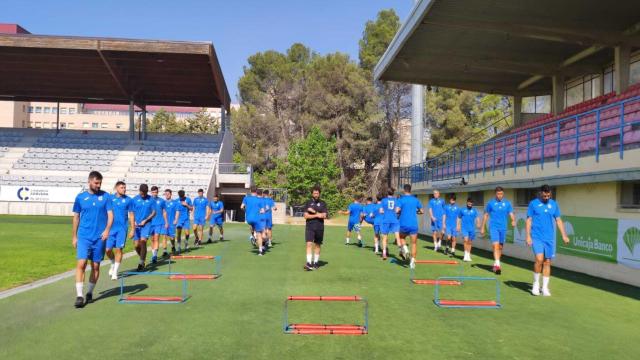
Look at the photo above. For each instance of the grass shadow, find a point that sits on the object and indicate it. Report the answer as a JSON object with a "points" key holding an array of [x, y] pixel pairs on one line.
{"points": [[131, 290], [521, 285]]}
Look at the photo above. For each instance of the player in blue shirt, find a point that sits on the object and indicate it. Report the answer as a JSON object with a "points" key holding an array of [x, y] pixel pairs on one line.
{"points": [[252, 206], [355, 218], [159, 224], [200, 205], [122, 206], [171, 207], [182, 220], [263, 217], [410, 207], [92, 220], [497, 209], [450, 224], [215, 212], [436, 213], [543, 215], [369, 213], [377, 223], [143, 213], [467, 223], [270, 207], [389, 210]]}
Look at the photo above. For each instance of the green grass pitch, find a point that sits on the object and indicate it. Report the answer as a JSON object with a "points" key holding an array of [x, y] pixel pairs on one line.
{"points": [[239, 316]]}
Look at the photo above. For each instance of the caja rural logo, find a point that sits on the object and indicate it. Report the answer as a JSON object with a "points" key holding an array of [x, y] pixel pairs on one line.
{"points": [[23, 193], [631, 238]]}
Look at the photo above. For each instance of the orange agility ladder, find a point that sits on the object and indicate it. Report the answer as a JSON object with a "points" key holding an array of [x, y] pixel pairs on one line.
{"points": [[213, 275], [443, 282], [326, 329]]}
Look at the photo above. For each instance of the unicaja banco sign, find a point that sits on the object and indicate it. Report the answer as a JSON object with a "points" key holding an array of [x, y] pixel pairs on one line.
{"points": [[592, 238]]}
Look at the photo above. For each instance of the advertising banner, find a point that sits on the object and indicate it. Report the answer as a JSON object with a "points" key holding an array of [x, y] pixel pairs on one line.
{"points": [[629, 243], [39, 193], [591, 238]]}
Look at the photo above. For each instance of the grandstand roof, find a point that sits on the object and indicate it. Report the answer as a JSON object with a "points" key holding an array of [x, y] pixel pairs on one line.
{"points": [[505, 46], [108, 70]]}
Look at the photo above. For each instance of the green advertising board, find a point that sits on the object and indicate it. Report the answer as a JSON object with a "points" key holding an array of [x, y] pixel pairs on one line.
{"points": [[591, 238]]}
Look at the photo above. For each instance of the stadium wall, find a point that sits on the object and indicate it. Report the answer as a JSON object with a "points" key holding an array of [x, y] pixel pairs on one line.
{"points": [[604, 238]]}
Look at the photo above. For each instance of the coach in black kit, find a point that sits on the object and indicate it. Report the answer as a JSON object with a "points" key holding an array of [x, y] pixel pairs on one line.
{"points": [[315, 213]]}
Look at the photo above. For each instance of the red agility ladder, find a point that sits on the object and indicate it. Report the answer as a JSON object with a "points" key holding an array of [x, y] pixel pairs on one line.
{"points": [[441, 262], [193, 277], [326, 329], [434, 282], [476, 303], [192, 257], [154, 298]]}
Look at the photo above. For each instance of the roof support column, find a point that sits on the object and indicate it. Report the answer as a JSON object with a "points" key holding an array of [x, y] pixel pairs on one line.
{"points": [[143, 124], [223, 119], [621, 68], [132, 123], [417, 126], [557, 97], [58, 117], [517, 110]]}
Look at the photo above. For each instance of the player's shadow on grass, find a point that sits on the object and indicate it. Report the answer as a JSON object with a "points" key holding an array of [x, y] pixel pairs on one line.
{"points": [[485, 267], [129, 290], [397, 261], [322, 263], [521, 285]]}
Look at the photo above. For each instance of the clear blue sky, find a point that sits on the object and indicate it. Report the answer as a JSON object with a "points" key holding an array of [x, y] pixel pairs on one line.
{"points": [[237, 28]]}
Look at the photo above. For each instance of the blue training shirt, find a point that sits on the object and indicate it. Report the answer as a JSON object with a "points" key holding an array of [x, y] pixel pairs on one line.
{"points": [[121, 207], [171, 206], [377, 220], [159, 205], [498, 212], [216, 206], [268, 207], [355, 210], [451, 211], [93, 210], [252, 206], [468, 217], [389, 206], [369, 211], [437, 207], [543, 216], [200, 204], [409, 206], [183, 211], [142, 207]]}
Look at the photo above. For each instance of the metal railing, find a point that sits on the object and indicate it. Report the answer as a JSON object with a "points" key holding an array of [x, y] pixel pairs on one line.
{"points": [[236, 168], [605, 129]]}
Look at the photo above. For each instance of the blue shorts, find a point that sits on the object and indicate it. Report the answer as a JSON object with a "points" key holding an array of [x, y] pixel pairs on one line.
{"points": [[377, 228], [117, 238], [409, 230], [451, 231], [497, 235], [142, 232], [199, 221], [171, 231], [436, 225], [157, 229], [388, 228], [268, 223], [351, 226], [183, 223], [547, 248], [257, 225], [216, 221], [90, 250], [471, 234]]}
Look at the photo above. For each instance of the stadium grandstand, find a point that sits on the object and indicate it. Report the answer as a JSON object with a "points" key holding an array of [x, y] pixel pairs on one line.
{"points": [[42, 170], [583, 58]]}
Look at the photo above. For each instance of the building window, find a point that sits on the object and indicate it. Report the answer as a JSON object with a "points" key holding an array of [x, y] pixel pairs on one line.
{"points": [[477, 197], [24, 123], [525, 196], [47, 110], [72, 111], [38, 125], [45, 124], [24, 108], [630, 195], [536, 104], [85, 125], [63, 125], [69, 125], [54, 110], [634, 72], [119, 126], [30, 109], [581, 89], [609, 84], [63, 110], [38, 109], [94, 125], [104, 125]]}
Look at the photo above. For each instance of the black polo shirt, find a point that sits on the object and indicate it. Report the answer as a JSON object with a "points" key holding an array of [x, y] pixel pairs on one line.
{"points": [[320, 207]]}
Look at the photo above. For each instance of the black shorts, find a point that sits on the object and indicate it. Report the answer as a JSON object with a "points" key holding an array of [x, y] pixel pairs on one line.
{"points": [[315, 235]]}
